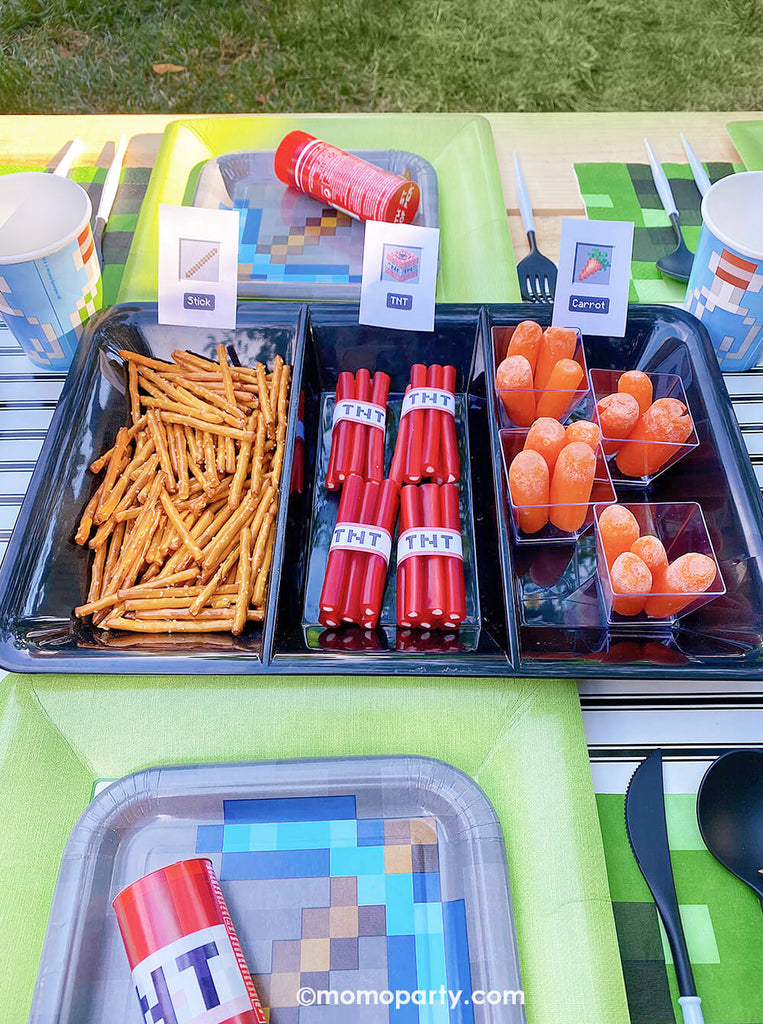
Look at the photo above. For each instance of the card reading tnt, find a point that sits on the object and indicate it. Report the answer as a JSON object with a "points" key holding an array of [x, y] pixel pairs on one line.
{"points": [[198, 266], [594, 276], [399, 276]]}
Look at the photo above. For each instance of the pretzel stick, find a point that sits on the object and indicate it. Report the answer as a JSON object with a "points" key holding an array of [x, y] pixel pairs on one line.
{"points": [[264, 397], [157, 431], [132, 387], [170, 625], [97, 465], [242, 601], [113, 467], [136, 357], [179, 525]]}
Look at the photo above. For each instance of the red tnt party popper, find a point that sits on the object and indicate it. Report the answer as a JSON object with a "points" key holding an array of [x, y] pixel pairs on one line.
{"points": [[186, 961], [344, 181]]}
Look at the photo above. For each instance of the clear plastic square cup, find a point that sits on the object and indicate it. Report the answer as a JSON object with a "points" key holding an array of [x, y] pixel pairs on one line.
{"points": [[651, 457], [579, 514], [560, 402], [50, 277], [681, 528]]}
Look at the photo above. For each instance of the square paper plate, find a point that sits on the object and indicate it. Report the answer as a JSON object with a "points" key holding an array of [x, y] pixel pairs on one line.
{"points": [[476, 258], [290, 245], [382, 874]]}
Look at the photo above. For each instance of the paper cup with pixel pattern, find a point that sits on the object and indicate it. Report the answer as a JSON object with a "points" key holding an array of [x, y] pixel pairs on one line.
{"points": [[725, 289], [50, 278]]}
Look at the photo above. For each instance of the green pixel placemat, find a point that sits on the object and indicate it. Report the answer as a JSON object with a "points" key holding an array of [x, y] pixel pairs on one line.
{"points": [[123, 219], [627, 192], [722, 920]]}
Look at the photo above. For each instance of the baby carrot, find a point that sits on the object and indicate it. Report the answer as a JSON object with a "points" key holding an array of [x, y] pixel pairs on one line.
{"points": [[584, 430], [557, 343], [652, 551], [658, 435], [546, 436], [689, 575], [525, 341], [528, 484], [631, 583], [571, 485], [638, 384], [514, 380], [618, 415], [560, 388], [618, 529]]}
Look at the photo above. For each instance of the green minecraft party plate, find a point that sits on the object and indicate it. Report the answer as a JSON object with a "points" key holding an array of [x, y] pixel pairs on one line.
{"points": [[520, 740], [476, 257]]}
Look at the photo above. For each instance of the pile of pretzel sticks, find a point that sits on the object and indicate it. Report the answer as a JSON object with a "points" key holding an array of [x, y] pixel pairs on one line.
{"points": [[182, 525]]}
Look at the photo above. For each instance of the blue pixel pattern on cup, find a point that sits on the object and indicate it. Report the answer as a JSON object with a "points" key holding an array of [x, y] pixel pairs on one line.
{"points": [[725, 292], [64, 289]]}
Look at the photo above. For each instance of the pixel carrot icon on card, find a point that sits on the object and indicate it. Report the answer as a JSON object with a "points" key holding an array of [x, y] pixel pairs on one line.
{"points": [[596, 261]]}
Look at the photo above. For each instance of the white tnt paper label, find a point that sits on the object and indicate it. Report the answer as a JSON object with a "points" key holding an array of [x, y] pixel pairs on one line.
{"points": [[353, 409], [193, 980], [427, 541], [429, 399], [362, 537]]}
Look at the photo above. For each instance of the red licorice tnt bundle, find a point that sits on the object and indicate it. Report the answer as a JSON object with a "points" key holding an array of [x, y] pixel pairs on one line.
{"points": [[357, 436], [183, 952], [426, 447], [431, 593], [356, 571]]}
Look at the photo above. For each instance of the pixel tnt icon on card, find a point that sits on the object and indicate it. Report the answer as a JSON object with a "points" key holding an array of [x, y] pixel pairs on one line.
{"points": [[401, 263]]}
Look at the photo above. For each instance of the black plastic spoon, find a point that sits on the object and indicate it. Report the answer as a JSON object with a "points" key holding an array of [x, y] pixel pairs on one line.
{"points": [[730, 814]]}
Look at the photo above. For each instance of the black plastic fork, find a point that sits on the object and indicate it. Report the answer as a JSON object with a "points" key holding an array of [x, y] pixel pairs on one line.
{"points": [[536, 272]]}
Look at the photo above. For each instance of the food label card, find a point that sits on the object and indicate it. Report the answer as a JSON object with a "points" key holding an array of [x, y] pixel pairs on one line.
{"points": [[198, 266], [399, 276], [594, 276]]}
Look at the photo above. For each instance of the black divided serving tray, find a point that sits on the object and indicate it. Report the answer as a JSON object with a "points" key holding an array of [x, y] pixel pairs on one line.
{"points": [[534, 609]]}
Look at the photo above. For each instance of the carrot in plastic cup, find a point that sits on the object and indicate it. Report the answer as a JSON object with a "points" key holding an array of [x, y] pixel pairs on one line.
{"points": [[514, 380], [631, 582], [618, 415], [657, 436], [546, 436], [637, 384], [525, 341], [584, 430], [618, 529], [652, 551], [529, 487], [684, 579], [557, 343], [560, 388], [571, 486]]}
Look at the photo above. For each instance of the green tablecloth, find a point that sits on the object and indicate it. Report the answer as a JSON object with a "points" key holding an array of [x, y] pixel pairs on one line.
{"points": [[521, 740]]}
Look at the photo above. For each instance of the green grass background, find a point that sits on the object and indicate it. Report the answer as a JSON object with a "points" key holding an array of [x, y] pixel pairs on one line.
{"points": [[68, 56]]}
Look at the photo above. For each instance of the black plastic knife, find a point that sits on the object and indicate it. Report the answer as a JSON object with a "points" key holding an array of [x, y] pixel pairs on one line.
{"points": [[648, 836]]}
